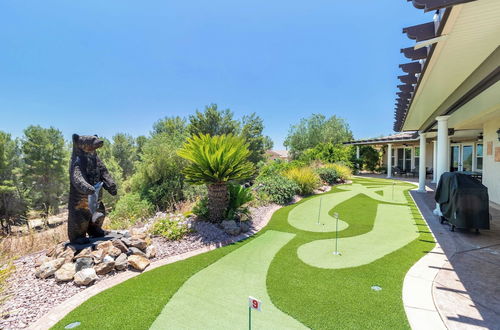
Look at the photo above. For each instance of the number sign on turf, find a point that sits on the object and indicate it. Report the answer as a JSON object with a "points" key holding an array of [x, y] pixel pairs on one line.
{"points": [[254, 303]]}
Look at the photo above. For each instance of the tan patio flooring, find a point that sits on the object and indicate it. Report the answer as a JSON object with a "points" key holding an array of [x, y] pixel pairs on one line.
{"points": [[466, 289]]}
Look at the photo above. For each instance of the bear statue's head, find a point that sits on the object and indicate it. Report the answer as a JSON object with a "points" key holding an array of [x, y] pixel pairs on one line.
{"points": [[87, 143]]}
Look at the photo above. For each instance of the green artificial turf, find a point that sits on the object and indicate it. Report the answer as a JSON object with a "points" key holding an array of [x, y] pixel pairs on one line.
{"points": [[217, 296], [315, 297]]}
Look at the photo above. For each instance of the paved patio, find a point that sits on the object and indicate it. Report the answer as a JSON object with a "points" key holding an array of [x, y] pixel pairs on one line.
{"points": [[466, 290]]}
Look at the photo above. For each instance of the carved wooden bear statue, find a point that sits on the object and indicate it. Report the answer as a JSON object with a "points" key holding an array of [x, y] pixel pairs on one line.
{"points": [[87, 175]]}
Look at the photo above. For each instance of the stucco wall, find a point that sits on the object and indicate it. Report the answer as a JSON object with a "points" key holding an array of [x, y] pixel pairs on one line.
{"points": [[491, 169]]}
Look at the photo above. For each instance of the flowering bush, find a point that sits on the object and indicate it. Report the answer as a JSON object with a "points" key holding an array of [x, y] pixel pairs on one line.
{"points": [[172, 227]]}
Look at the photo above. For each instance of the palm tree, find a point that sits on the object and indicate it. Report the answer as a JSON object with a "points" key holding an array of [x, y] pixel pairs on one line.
{"points": [[214, 161]]}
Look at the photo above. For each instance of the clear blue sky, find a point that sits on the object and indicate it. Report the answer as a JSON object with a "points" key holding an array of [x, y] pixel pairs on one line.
{"points": [[103, 67]]}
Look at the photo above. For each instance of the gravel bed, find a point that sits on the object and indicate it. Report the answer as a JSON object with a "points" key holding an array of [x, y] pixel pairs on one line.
{"points": [[29, 297]]}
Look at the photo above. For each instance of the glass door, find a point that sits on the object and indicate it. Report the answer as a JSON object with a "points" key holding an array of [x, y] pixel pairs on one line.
{"points": [[467, 154], [455, 158], [407, 167]]}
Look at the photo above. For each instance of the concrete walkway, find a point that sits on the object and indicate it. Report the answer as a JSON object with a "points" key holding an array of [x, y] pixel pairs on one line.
{"points": [[456, 285]]}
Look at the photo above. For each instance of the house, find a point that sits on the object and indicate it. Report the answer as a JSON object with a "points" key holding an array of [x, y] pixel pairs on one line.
{"points": [[447, 110], [277, 154]]}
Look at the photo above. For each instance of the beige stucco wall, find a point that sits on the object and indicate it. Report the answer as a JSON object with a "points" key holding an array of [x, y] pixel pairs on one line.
{"points": [[491, 169]]}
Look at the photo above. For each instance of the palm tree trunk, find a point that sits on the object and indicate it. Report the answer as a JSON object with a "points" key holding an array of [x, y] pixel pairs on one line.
{"points": [[217, 201]]}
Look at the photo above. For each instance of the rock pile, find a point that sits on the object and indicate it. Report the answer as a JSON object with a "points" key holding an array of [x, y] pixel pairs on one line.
{"points": [[233, 228], [67, 262]]}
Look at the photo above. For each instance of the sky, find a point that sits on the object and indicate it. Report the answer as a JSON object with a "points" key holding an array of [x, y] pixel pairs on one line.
{"points": [[102, 67]]}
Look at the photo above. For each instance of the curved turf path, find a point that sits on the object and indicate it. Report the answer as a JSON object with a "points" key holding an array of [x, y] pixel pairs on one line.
{"points": [[289, 266], [214, 298]]}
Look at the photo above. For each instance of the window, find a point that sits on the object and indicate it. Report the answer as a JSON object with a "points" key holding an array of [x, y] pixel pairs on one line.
{"points": [[479, 157], [401, 158], [407, 159], [417, 157]]}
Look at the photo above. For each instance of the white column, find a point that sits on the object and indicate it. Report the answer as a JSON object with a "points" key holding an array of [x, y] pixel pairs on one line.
{"points": [[443, 146], [422, 161], [357, 152], [434, 162], [389, 160]]}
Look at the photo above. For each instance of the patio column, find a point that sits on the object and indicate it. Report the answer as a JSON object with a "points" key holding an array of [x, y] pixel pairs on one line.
{"points": [[421, 164], [389, 160], [442, 151], [434, 162], [357, 152]]}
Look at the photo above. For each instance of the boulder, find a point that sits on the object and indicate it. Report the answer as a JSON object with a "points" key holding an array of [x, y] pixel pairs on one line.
{"points": [[59, 248], [108, 259], [124, 233], [49, 268], [83, 263], [114, 251], [85, 276], [66, 273], [136, 251], [104, 267], [138, 262], [120, 245], [121, 262], [85, 253], [40, 261], [244, 226], [98, 255], [67, 254], [150, 252], [126, 241], [138, 243], [230, 227], [106, 245]]}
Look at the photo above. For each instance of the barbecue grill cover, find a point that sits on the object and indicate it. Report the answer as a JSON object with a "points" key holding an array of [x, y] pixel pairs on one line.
{"points": [[463, 201]]}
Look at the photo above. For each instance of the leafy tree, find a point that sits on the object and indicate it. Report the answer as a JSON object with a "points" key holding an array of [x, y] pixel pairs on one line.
{"points": [[214, 161], [158, 177], [329, 153], [314, 130], [369, 157], [106, 156], [125, 153], [213, 122], [45, 167], [171, 126], [140, 141], [251, 131], [11, 203]]}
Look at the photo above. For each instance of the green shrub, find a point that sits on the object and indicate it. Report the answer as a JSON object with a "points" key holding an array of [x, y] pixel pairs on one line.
{"points": [[328, 175], [238, 197], [129, 210], [277, 189], [193, 193], [172, 227], [344, 172], [201, 208], [305, 178]]}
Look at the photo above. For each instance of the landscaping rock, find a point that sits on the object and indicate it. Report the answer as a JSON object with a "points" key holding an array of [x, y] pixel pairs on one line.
{"points": [[106, 245], [230, 227], [120, 245], [67, 254], [40, 261], [85, 253], [66, 273], [104, 267], [138, 243], [138, 262], [121, 262], [114, 251], [124, 233], [85, 276], [83, 263], [126, 241], [98, 255], [136, 251], [244, 226], [49, 268], [150, 252], [108, 259]]}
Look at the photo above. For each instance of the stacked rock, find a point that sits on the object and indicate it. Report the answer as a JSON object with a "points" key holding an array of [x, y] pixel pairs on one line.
{"points": [[67, 263]]}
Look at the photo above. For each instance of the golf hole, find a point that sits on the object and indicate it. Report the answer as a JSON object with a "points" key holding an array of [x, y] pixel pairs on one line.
{"points": [[376, 288], [72, 325]]}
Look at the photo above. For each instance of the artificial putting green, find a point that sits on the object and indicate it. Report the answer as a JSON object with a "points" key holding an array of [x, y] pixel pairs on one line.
{"points": [[212, 299], [207, 290]]}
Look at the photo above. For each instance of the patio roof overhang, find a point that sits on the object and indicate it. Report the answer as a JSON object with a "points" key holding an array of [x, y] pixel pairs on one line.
{"points": [[395, 138], [458, 33]]}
